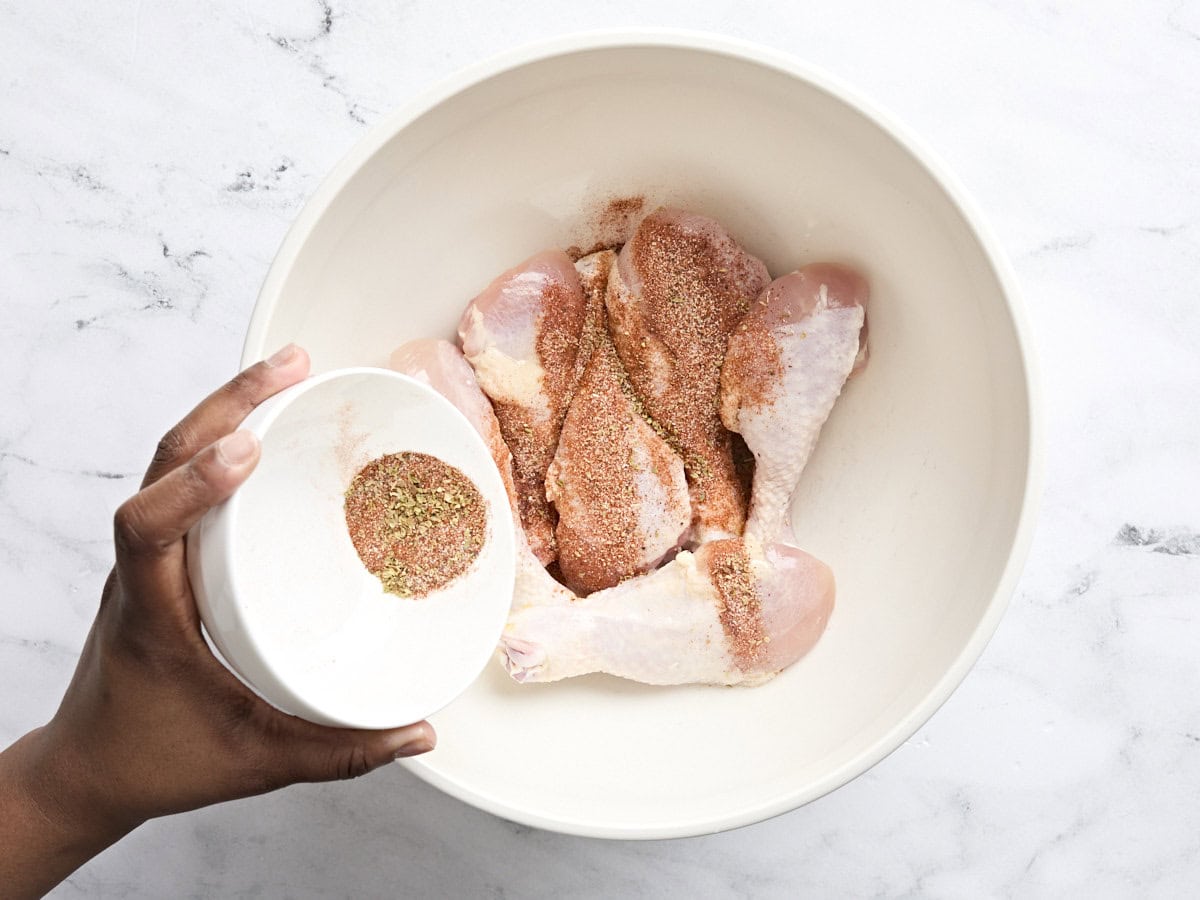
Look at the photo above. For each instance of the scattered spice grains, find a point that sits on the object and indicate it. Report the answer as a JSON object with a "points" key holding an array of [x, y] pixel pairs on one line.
{"points": [[610, 225], [349, 447], [741, 608], [417, 522], [593, 278], [615, 223], [754, 366]]}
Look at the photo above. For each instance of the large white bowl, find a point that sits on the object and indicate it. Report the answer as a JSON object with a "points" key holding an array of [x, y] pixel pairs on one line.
{"points": [[920, 495]]}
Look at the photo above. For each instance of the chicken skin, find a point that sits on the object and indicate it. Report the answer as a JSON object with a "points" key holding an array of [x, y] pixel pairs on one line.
{"points": [[732, 612], [785, 368], [679, 288], [521, 335], [593, 270], [619, 489]]}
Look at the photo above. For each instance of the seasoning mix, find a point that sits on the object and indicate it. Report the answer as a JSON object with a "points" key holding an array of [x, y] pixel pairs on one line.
{"points": [[417, 523]]}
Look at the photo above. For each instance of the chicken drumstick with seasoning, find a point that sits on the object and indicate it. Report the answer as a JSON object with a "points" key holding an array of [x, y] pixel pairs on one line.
{"points": [[619, 488], [786, 365], [679, 289], [733, 612], [521, 335]]}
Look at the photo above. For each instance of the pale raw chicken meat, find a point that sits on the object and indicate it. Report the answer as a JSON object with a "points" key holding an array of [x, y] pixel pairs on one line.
{"points": [[521, 336], [619, 489], [785, 367], [680, 287], [732, 612], [442, 366]]}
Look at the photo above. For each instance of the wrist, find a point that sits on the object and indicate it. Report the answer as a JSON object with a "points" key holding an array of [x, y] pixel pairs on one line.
{"points": [[47, 829], [71, 791], [67, 792]]}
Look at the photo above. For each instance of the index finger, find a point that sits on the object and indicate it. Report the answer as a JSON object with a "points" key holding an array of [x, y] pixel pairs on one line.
{"points": [[224, 409]]}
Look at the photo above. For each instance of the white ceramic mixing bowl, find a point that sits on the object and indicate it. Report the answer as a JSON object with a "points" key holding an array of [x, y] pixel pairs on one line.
{"points": [[920, 495], [281, 589]]}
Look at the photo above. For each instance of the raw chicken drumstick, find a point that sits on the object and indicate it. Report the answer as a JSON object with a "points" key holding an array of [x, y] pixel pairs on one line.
{"points": [[619, 489], [785, 367], [732, 612], [521, 336], [440, 365], [680, 287]]}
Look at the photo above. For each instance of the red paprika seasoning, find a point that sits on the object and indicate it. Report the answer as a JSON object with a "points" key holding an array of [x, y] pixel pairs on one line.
{"points": [[417, 522]]}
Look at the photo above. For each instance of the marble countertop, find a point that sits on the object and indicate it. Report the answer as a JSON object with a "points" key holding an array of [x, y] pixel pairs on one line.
{"points": [[151, 158]]}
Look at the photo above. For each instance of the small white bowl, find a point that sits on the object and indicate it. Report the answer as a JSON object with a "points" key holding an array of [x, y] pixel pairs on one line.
{"points": [[922, 490], [282, 592]]}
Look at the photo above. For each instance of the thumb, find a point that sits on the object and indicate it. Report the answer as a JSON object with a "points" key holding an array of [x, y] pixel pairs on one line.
{"points": [[150, 525], [318, 753]]}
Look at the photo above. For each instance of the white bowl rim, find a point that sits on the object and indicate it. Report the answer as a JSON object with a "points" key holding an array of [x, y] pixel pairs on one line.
{"points": [[673, 38]]}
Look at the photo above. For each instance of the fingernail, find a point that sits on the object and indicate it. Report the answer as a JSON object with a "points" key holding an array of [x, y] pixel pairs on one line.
{"points": [[415, 747], [281, 356], [236, 448]]}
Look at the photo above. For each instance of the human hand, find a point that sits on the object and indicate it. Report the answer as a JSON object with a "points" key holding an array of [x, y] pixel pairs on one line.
{"points": [[152, 723]]}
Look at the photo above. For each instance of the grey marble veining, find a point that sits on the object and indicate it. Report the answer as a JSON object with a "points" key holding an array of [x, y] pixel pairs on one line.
{"points": [[151, 159]]}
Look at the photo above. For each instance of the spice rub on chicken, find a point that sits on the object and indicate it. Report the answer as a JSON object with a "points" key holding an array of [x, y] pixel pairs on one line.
{"points": [[663, 396], [521, 335], [785, 368], [619, 488], [594, 271], [680, 287], [732, 612]]}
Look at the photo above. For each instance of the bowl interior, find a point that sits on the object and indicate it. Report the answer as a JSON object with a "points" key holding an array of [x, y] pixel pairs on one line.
{"points": [[915, 494], [305, 621]]}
